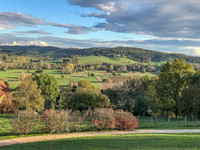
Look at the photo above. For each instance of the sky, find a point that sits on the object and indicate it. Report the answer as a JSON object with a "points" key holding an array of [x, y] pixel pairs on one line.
{"points": [[162, 25]]}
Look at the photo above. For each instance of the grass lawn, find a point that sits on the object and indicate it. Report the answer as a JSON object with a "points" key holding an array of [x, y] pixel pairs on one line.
{"points": [[103, 59], [144, 123], [162, 123], [117, 142]]}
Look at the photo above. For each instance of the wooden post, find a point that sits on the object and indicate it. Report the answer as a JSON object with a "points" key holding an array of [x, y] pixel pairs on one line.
{"points": [[168, 121], [185, 120], [151, 121], [155, 120]]}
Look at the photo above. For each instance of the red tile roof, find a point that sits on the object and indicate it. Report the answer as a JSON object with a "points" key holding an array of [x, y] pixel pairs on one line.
{"points": [[3, 88]]}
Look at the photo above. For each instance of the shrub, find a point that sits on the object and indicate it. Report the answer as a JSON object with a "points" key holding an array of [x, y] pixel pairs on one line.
{"points": [[101, 118], [56, 121], [61, 121], [125, 120], [75, 121], [62, 76], [92, 74], [108, 80], [84, 98], [24, 121]]}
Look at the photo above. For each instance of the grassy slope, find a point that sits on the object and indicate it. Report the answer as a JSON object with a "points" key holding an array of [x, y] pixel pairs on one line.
{"points": [[122, 142], [103, 59]]}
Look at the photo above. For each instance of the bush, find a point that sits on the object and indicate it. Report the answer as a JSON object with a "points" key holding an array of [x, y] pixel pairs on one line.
{"points": [[84, 98], [75, 121], [92, 75], [101, 118], [56, 121], [61, 121], [125, 120], [24, 121], [108, 80]]}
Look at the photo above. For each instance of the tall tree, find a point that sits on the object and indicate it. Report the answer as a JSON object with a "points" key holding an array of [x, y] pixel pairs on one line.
{"points": [[49, 87], [28, 96], [173, 79], [190, 101]]}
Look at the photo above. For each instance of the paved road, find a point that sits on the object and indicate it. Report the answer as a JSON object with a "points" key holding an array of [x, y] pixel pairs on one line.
{"points": [[85, 134]]}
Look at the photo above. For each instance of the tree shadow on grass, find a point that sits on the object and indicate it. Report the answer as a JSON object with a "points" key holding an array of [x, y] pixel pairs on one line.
{"points": [[116, 142]]}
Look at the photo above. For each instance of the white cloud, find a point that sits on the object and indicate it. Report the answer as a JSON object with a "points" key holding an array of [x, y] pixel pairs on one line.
{"points": [[23, 43], [191, 50], [11, 20], [158, 18]]}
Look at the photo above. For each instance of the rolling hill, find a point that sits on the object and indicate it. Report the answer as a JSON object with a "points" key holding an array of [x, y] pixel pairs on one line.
{"points": [[135, 54]]}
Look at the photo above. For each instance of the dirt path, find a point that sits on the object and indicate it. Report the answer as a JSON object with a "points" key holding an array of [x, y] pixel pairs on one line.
{"points": [[85, 134]]}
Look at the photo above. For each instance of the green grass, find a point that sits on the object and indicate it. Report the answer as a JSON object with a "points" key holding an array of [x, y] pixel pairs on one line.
{"points": [[75, 77], [162, 123], [7, 75], [11, 76], [103, 59], [117, 142], [144, 123], [158, 63]]}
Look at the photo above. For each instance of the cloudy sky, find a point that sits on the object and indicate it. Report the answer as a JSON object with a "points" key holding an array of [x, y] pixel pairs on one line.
{"points": [[163, 25]]}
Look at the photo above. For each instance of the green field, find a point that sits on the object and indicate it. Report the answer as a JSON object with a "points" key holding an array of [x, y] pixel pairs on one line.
{"points": [[103, 59], [117, 142], [12, 76], [74, 77], [7, 75]]}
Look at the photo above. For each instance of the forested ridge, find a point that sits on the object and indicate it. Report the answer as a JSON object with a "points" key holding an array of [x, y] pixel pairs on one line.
{"points": [[137, 54]]}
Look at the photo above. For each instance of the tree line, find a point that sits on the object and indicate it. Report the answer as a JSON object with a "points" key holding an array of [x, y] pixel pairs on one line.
{"points": [[174, 92]]}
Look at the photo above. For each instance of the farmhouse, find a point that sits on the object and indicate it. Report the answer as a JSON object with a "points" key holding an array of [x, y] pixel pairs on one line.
{"points": [[4, 89]]}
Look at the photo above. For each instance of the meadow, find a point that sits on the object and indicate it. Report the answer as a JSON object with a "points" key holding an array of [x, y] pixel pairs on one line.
{"points": [[104, 59], [117, 142], [13, 76]]}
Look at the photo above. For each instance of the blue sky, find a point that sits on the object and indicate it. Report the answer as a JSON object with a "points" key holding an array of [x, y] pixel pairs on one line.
{"points": [[163, 25]]}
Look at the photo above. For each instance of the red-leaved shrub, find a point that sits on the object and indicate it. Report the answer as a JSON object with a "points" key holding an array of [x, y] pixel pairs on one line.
{"points": [[125, 120], [101, 118], [75, 121]]}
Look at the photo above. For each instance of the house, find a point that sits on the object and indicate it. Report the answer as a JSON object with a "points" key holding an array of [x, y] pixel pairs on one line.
{"points": [[4, 89]]}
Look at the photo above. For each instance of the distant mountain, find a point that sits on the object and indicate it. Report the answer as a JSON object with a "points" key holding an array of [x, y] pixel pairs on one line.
{"points": [[137, 54]]}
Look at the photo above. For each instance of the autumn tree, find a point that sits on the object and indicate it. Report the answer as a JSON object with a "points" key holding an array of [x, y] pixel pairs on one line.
{"points": [[85, 84], [28, 96], [122, 69], [110, 68], [6, 105]]}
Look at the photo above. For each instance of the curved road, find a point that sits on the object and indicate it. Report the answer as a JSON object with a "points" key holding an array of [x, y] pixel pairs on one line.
{"points": [[84, 134]]}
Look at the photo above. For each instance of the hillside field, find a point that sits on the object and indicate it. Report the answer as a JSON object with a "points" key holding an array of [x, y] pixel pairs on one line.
{"points": [[13, 77], [103, 59]]}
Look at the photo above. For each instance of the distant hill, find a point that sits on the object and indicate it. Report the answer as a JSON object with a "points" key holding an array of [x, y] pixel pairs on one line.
{"points": [[135, 54]]}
